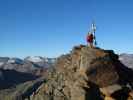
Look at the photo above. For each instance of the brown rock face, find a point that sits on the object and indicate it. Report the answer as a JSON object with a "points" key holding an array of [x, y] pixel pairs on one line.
{"points": [[86, 74]]}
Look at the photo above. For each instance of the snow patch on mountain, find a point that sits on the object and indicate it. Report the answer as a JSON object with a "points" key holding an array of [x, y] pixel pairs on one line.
{"points": [[127, 60], [34, 59], [1, 63], [15, 61]]}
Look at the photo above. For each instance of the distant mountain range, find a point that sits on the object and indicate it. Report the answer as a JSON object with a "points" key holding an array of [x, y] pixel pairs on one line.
{"points": [[28, 64], [14, 71], [126, 59], [32, 63]]}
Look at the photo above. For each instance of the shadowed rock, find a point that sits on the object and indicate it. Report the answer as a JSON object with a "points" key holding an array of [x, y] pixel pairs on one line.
{"points": [[10, 78]]}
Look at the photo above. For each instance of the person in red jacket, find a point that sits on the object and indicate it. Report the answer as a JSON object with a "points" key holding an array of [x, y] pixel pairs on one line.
{"points": [[90, 39]]}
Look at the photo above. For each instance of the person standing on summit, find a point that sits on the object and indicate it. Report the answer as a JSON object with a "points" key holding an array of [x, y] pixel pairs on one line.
{"points": [[91, 39]]}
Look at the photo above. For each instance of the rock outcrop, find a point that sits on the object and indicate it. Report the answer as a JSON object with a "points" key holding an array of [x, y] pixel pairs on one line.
{"points": [[87, 74]]}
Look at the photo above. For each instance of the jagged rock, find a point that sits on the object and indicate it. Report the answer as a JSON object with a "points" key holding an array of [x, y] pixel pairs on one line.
{"points": [[81, 75]]}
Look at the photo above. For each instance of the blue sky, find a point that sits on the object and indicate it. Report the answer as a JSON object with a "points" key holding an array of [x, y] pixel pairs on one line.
{"points": [[52, 27]]}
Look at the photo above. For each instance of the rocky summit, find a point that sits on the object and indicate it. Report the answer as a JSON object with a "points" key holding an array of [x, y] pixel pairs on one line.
{"points": [[87, 74]]}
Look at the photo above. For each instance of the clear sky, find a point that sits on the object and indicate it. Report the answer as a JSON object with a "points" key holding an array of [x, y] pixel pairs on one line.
{"points": [[52, 27]]}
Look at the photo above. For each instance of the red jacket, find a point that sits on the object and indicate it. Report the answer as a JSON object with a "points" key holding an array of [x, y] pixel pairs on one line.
{"points": [[90, 38]]}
